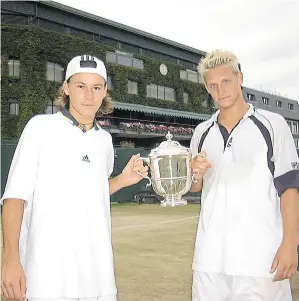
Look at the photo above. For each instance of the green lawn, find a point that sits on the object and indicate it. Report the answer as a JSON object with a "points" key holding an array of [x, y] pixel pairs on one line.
{"points": [[153, 250]]}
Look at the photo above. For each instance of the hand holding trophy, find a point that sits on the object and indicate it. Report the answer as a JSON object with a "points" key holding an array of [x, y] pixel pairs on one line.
{"points": [[170, 169]]}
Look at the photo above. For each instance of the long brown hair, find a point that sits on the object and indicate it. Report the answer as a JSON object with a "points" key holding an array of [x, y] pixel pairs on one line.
{"points": [[62, 101]]}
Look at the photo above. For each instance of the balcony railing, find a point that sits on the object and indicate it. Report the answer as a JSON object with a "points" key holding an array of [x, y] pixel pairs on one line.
{"points": [[155, 128], [146, 127]]}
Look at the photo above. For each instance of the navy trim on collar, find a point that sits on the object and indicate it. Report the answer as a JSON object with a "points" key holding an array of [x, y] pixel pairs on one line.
{"points": [[69, 116], [250, 112]]}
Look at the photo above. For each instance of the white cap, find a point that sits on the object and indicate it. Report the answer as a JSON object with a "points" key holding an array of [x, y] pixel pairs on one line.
{"points": [[85, 63]]}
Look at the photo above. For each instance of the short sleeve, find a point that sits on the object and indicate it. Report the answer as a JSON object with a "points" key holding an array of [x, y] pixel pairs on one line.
{"points": [[286, 174], [110, 159], [23, 169], [194, 144], [198, 137]]}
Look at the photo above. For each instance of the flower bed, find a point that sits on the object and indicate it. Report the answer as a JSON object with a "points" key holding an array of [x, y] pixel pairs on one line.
{"points": [[155, 128], [104, 123]]}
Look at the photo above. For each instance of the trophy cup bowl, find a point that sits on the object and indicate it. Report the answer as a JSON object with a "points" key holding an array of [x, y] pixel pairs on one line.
{"points": [[170, 171]]}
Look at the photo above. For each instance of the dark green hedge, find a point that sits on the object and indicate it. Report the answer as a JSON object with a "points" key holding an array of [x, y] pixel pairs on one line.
{"points": [[34, 46]]}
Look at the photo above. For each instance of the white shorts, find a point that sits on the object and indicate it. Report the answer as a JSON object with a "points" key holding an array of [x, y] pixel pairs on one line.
{"points": [[219, 287], [106, 298]]}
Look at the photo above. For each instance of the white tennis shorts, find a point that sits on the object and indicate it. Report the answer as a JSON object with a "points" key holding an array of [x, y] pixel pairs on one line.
{"points": [[219, 287]]}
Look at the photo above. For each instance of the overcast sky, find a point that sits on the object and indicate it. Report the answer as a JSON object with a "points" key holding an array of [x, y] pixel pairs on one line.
{"points": [[264, 34]]}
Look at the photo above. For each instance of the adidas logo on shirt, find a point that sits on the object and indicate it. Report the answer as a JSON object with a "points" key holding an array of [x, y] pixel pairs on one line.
{"points": [[85, 159]]}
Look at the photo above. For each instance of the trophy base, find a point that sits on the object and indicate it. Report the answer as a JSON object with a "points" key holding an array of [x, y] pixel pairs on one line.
{"points": [[173, 201]]}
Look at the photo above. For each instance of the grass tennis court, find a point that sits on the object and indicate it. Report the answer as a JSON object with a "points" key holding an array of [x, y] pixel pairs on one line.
{"points": [[153, 250]]}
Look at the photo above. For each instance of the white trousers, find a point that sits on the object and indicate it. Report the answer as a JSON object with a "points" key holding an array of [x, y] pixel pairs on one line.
{"points": [[106, 298], [219, 287]]}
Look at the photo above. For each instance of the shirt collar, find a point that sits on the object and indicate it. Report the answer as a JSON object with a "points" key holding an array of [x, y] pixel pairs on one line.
{"points": [[73, 120], [249, 112]]}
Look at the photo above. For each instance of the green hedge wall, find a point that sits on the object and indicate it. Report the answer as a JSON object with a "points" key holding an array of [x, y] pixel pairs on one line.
{"points": [[34, 46]]}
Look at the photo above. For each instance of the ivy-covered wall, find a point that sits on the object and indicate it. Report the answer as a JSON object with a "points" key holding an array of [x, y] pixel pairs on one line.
{"points": [[34, 46]]}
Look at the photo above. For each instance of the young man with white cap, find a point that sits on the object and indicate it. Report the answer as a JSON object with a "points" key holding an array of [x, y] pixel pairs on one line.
{"points": [[56, 205], [247, 165]]}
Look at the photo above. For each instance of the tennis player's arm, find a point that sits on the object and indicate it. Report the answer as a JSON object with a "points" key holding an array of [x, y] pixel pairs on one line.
{"points": [[290, 215], [12, 215], [116, 183], [199, 166], [196, 187]]}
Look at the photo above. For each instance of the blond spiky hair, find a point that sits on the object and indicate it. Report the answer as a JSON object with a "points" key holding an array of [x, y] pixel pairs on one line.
{"points": [[216, 58]]}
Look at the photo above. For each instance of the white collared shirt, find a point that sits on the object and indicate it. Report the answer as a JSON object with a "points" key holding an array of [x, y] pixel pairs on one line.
{"points": [[62, 174], [240, 225]]}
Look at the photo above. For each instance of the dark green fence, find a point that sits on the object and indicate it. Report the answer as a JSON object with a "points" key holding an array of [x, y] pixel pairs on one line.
{"points": [[122, 156], [7, 151]]}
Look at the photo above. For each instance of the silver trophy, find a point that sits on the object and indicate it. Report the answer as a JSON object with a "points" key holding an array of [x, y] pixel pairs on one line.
{"points": [[170, 170]]}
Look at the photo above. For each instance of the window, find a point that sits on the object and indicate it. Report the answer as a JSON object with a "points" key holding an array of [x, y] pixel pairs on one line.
{"points": [[291, 106], [183, 75], [109, 82], [250, 97], [151, 90], [111, 57], [51, 109], [295, 127], [185, 97], [290, 125], [265, 100], [278, 103], [137, 64], [160, 92], [169, 94], [187, 64], [297, 143], [190, 75], [125, 59], [14, 107], [14, 67], [54, 72], [132, 87]]}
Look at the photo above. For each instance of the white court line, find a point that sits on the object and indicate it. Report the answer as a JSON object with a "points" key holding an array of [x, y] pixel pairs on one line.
{"points": [[153, 224]]}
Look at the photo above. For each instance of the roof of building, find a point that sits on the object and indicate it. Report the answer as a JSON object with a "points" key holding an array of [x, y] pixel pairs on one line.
{"points": [[159, 111], [119, 25]]}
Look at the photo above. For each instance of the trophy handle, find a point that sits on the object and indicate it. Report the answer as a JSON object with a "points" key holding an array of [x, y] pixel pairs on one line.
{"points": [[147, 161], [193, 177]]}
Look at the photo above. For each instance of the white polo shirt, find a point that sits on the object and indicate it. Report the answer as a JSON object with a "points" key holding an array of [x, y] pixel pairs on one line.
{"points": [[240, 225], [62, 174]]}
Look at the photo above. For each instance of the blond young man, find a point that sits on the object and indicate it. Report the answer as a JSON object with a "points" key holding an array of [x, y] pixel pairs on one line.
{"points": [[246, 245], [56, 205]]}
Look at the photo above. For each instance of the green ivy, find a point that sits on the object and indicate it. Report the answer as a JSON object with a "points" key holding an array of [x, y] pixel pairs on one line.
{"points": [[34, 46]]}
